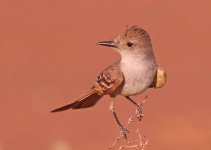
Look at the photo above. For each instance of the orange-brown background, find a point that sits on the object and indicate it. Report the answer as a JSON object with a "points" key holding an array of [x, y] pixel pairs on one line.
{"points": [[48, 56]]}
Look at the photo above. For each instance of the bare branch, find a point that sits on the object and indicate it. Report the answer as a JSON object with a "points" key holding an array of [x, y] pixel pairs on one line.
{"points": [[140, 143]]}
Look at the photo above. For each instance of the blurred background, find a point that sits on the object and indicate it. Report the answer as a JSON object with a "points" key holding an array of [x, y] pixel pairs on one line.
{"points": [[49, 56]]}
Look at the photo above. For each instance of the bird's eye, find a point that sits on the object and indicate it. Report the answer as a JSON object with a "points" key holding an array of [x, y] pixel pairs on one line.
{"points": [[129, 44]]}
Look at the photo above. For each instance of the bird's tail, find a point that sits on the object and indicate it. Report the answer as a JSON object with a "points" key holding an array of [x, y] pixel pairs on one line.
{"points": [[89, 99]]}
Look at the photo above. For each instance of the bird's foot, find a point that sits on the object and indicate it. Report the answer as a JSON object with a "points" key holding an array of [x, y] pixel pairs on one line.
{"points": [[139, 114], [123, 132]]}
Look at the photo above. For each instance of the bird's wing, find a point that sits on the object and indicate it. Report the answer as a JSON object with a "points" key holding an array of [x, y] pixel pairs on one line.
{"points": [[109, 80], [106, 83], [159, 79]]}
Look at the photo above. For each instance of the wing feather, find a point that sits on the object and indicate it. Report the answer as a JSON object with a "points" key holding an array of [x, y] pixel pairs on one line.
{"points": [[108, 82]]}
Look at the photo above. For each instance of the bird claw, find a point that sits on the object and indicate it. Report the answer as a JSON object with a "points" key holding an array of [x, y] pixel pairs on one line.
{"points": [[139, 113], [123, 132]]}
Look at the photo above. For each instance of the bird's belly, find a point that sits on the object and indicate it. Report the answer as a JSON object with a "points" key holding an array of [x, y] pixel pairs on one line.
{"points": [[137, 81], [134, 87]]}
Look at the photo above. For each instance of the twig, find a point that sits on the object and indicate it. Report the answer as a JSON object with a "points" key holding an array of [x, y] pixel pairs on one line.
{"points": [[140, 143]]}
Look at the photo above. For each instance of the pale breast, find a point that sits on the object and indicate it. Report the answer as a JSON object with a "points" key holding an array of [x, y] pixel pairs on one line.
{"points": [[138, 76]]}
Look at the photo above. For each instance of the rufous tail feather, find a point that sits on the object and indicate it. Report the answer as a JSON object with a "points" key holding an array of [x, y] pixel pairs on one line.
{"points": [[89, 99]]}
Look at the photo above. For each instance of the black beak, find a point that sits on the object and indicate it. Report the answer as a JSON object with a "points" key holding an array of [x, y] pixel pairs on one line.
{"points": [[107, 43]]}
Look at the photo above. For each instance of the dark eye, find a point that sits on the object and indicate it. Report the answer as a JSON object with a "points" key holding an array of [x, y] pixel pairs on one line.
{"points": [[129, 44]]}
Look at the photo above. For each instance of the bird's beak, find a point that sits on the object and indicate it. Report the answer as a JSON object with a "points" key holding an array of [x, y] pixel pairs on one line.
{"points": [[107, 43]]}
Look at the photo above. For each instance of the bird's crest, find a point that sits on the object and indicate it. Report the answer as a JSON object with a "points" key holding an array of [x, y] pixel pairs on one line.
{"points": [[135, 33]]}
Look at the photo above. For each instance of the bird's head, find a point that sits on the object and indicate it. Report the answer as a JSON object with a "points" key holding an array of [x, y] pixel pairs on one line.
{"points": [[131, 39]]}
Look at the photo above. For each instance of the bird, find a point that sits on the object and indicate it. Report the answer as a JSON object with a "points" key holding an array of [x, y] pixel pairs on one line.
{"points": [[135, 72]]}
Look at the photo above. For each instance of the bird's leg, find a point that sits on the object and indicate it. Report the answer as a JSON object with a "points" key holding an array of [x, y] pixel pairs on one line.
{"points": [[123, 131], [139, 113]]}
